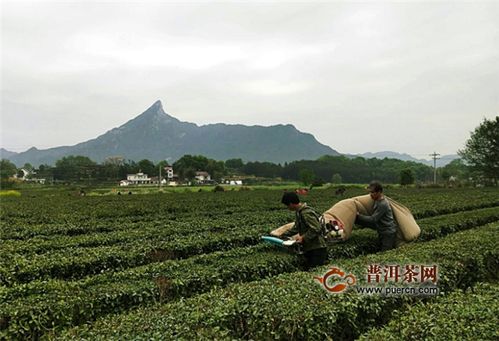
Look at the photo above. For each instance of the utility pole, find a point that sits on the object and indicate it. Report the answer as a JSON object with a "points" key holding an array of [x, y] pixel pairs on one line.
{"points": [[159, 184], [434, 156]]}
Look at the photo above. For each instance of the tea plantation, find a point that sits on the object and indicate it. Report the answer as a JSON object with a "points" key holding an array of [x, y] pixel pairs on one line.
{"points": [[192, 266]]}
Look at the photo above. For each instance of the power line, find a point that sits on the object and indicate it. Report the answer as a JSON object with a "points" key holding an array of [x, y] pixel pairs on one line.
{"points": [[434, 157]]}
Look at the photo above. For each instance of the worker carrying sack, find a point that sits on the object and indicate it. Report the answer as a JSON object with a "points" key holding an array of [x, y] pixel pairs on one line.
{"points": [[407, 228], [338, 221]]}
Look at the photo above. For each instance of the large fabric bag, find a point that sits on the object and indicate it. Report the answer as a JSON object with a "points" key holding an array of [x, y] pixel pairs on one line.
{"points": [[345, 212]]}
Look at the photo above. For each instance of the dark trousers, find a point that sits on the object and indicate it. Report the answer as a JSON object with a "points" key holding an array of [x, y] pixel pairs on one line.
{"points": [[387, 241], [315, 258]]}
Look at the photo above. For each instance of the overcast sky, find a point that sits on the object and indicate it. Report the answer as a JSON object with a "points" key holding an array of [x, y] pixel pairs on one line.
{"points": [[407, 77]]}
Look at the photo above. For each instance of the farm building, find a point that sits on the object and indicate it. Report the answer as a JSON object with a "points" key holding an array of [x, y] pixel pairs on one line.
{"points": [[202, 176], [136, 179]]}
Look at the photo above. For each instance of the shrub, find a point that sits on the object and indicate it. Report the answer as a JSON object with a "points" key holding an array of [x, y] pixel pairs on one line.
{"points": [[218, 188], [463, 315], [10, 193]]}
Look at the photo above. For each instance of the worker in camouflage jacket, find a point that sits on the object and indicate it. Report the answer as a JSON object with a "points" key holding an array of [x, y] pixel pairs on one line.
{"points": [[308, 228]]}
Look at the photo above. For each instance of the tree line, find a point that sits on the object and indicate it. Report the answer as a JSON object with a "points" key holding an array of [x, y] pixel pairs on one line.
{"points": [[335, 169]]}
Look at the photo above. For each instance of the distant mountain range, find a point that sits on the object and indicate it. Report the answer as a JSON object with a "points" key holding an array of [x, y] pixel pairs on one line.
{"points": [[5, 154], [155, 135], [442, 161]]}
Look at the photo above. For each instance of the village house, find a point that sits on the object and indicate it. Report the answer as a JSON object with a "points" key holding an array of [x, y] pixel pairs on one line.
{"points": [[28, 177], [169, 179], [169, 172], [203, 177], [136, 179], [233, 181]]}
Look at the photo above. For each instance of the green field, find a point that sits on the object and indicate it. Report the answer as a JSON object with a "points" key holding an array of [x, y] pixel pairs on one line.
{"points": [[191, 265]]}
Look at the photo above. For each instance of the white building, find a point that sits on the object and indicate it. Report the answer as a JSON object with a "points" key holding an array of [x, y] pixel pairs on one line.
{"points": [[169, 172], [124, 183], [28, 177], [25, 175], [138, 179], [202, 176]]}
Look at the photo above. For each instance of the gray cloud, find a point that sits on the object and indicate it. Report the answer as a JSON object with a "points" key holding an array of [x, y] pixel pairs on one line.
{"points": [[407, 77]]}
